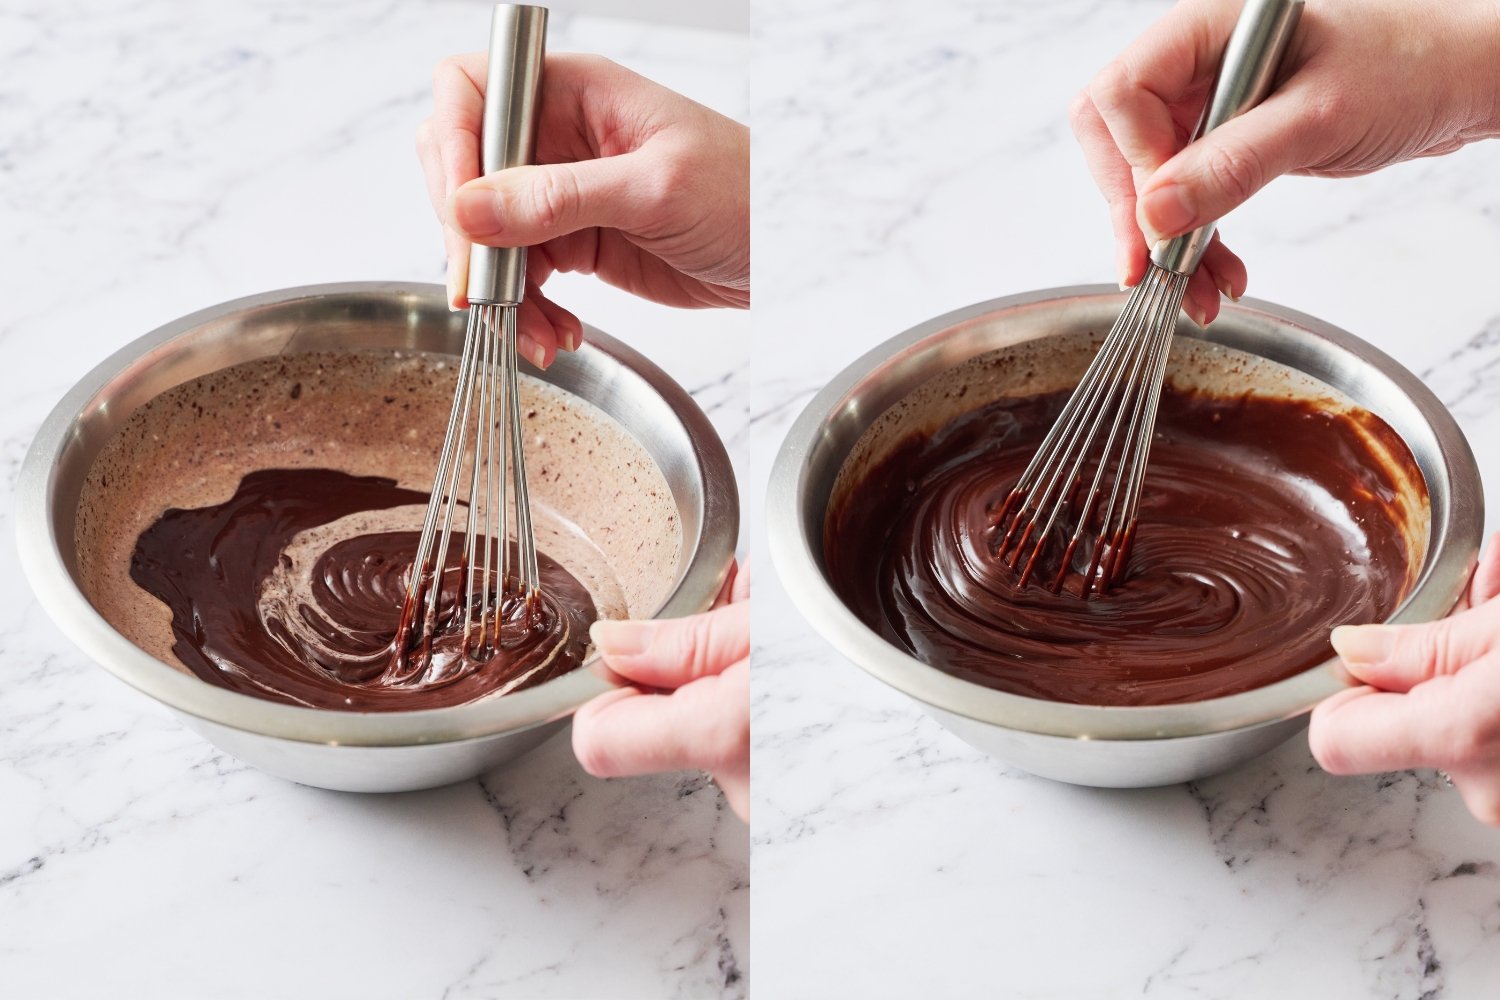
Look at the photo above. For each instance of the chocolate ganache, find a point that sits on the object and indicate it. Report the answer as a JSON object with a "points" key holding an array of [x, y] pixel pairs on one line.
{"points": [[1263, 524], [291, 590]]}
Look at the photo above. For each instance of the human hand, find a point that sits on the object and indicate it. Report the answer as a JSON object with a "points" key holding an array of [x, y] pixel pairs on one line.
{"points": [[691, 705], [637, 184], [1432, 698], [1365, 83]]}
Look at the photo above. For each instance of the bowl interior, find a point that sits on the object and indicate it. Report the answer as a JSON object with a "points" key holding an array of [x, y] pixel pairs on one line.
{"points": [[1041, 341], [632, 486], [600, 505], [1055, 362]]}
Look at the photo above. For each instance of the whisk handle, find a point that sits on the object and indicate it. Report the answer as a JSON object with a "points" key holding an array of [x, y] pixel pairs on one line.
{"points": [[518, 43], [1251, 58]]}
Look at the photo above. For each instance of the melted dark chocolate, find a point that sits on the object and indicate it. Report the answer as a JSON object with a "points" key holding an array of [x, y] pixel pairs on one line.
{"points": [[1263, 523], [330, 644]]}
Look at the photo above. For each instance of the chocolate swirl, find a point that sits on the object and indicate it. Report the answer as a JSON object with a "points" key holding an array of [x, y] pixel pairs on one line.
{"points": [[292, 590], [1263, 524]]}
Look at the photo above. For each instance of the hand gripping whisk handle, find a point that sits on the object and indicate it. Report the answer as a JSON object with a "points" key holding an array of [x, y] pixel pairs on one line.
{"points": [[1251, 58], [518, 42]]}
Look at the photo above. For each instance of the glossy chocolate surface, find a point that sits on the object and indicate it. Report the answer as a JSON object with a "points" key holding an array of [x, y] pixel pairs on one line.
{"points": [[1263, 524]]}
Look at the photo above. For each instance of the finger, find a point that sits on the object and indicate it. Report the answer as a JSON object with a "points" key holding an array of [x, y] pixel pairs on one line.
{"points": [[1487, 574], [1113, 178], [1218, 173], [705, 725], [582, 252], [671, 652], [1400, 657], [545, 329], [458, 113], [1226, 269], [539, 265], [617, 259], [457, 250], [453, 157], [1135, 93], [1364, 731], [1201, 301], [1220, 273], [431, 159], [455, 247], [528, 205], [536, 338], [567, 329]]}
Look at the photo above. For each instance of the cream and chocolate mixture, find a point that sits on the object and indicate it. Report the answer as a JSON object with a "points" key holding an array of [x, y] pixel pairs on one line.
{"points": [[293, 590], [257, 526]]}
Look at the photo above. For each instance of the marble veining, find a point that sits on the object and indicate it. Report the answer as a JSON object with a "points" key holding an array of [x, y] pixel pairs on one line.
{"points": [[157, 157], [1467, 380], [926, 156]]}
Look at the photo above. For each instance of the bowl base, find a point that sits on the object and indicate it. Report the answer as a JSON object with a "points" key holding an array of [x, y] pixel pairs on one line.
{"points": [[1120, 763], [342, 768]]}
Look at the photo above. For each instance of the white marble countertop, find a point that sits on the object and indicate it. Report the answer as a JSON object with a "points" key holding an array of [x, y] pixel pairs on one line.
{"points": [[910, 161], [157, 157]]}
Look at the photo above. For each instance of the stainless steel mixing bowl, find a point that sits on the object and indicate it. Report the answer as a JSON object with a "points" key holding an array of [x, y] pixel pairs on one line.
{"points": [[368, 752], [1119, 747]]}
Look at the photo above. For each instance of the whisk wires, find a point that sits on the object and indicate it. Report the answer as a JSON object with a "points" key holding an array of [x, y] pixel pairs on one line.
{"points": [[481, 476], [1102, 438]]}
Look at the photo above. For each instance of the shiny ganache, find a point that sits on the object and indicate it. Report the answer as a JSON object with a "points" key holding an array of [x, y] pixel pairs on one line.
{"points": [[317, 628], [1263, 524]]}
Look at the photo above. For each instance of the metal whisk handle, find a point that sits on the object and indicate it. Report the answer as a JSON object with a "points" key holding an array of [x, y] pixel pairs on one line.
{"points": [[1251, 58], [518, 43]]}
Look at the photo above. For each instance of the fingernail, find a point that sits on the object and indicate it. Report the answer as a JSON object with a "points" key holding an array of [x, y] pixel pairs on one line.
{"points": [[1363, 643], [1228, 291], [1122, 268], [452, 290], [535, 353], [1167, 211], [472, 212], [1195, 314], [621, 638]]}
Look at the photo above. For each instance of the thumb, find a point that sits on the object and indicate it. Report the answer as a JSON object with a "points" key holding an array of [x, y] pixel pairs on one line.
{"points": [[1220, 171], [524, 206], [670, 652], [1399, 657]]}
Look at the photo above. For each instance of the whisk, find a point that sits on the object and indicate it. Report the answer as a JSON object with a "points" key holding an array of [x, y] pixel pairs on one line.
{"points": [[1103, 435], [482, 466]]}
